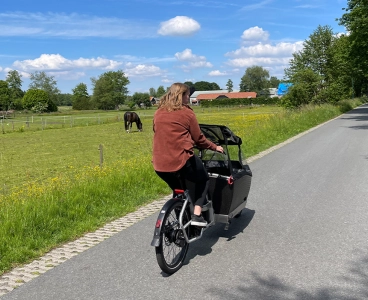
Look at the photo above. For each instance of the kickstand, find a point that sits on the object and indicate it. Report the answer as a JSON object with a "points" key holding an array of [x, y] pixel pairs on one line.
{"points": [[227, 226]]}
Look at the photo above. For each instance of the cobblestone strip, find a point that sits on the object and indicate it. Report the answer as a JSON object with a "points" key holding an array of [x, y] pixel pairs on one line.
{"points": [[20, 275]]}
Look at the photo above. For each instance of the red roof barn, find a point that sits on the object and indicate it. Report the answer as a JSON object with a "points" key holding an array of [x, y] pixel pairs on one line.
{"points": [[235, 95]]}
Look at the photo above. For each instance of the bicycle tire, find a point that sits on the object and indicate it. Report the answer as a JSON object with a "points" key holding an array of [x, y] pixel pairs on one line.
{"points": [[171, 252]]}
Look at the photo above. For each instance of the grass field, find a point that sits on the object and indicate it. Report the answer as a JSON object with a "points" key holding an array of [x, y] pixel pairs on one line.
{"points": [[34, 156], [53, 188]]}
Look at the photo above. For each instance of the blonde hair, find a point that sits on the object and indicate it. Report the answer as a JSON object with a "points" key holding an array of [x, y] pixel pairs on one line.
{"points": [[173, 99]]}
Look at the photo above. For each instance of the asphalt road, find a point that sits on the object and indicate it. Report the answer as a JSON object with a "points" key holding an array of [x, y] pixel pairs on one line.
{"points": [[304, 235]]}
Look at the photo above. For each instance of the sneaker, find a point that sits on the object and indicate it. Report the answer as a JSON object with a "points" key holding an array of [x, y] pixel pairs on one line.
{"points": [[198, 221]]}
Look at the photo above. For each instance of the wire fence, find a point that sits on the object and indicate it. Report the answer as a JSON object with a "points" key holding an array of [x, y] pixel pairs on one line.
{"points": [[36, 122], [19, 122]]}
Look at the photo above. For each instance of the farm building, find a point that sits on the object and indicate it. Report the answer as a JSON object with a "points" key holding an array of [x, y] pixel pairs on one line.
{"points": [[154, 100], [231, 95], [193, 97], [272, 92]]}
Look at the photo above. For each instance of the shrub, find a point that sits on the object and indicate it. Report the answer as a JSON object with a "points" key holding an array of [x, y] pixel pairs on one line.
{"points": [[38, 101], [296, 97]]}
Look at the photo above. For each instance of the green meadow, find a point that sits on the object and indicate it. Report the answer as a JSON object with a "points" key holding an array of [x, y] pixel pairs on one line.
{"points": [[58, 182]]}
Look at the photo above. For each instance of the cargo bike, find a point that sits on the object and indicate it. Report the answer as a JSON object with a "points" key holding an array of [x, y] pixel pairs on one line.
{"points": [[229, 185]]}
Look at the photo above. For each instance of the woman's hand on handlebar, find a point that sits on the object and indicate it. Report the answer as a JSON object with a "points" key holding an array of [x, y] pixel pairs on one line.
{"points": [[219, 149]]}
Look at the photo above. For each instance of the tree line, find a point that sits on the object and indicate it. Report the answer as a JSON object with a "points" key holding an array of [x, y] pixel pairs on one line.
{"points": [[329, 68]]}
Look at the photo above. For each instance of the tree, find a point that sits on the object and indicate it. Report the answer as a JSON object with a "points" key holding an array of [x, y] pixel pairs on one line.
{"points": [[189, 83], [160, 91], [316, 54], [274, 82], [304, 90], [15, 87], [206, 86], [296, 96], [255, 79], [41, 81], [356, 22], [80, 97], [341, 71], [152, 92], [215, 86], [64, 99], [229, 85], [110, 89], [141, 98], [320, 68], [36, 100], [4, 95]]}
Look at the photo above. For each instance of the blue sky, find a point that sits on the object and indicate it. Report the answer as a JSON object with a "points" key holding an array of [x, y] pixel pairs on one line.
{"points": [[156, 42]]}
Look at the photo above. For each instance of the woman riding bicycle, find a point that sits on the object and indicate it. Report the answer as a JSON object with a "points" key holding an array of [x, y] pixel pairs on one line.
{"points": [[176, 132]]}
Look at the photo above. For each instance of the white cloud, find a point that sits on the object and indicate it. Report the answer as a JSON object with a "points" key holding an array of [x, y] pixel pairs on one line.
{"points": [[61, 67], [56, 62], [255, 35], [217, 73], [179, 26], [142, 70], [142, 59], [260, 50], [258, 61], [96, 63], [200, 64], [193, 61], [23, 74], [186, 55]]}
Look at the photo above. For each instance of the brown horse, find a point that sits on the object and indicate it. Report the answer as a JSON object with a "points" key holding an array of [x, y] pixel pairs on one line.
{"points": [[129, 118]]}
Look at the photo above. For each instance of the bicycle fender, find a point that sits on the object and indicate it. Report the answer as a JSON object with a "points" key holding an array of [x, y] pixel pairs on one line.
{"points": [[160, 219]]}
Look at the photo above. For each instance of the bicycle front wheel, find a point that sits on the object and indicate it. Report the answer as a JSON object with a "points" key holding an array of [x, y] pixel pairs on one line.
{"points": [[173, 247]]}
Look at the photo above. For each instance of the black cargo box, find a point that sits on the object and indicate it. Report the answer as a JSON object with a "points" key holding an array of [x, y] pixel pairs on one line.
{"points": [[230, 176]]}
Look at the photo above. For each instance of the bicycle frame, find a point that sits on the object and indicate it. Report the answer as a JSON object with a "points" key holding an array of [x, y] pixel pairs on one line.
{"points": [[207, 207], [183, 196]]}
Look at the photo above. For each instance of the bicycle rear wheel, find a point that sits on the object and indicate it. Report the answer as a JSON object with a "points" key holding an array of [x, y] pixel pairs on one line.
{"points": [[173, 247]]}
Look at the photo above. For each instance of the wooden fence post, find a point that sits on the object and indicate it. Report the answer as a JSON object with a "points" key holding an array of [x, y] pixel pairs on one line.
{"points": [[101, 155]]}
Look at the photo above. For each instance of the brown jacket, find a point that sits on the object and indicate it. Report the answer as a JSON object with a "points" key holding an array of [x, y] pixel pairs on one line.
{"points": [[175, 134]]}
